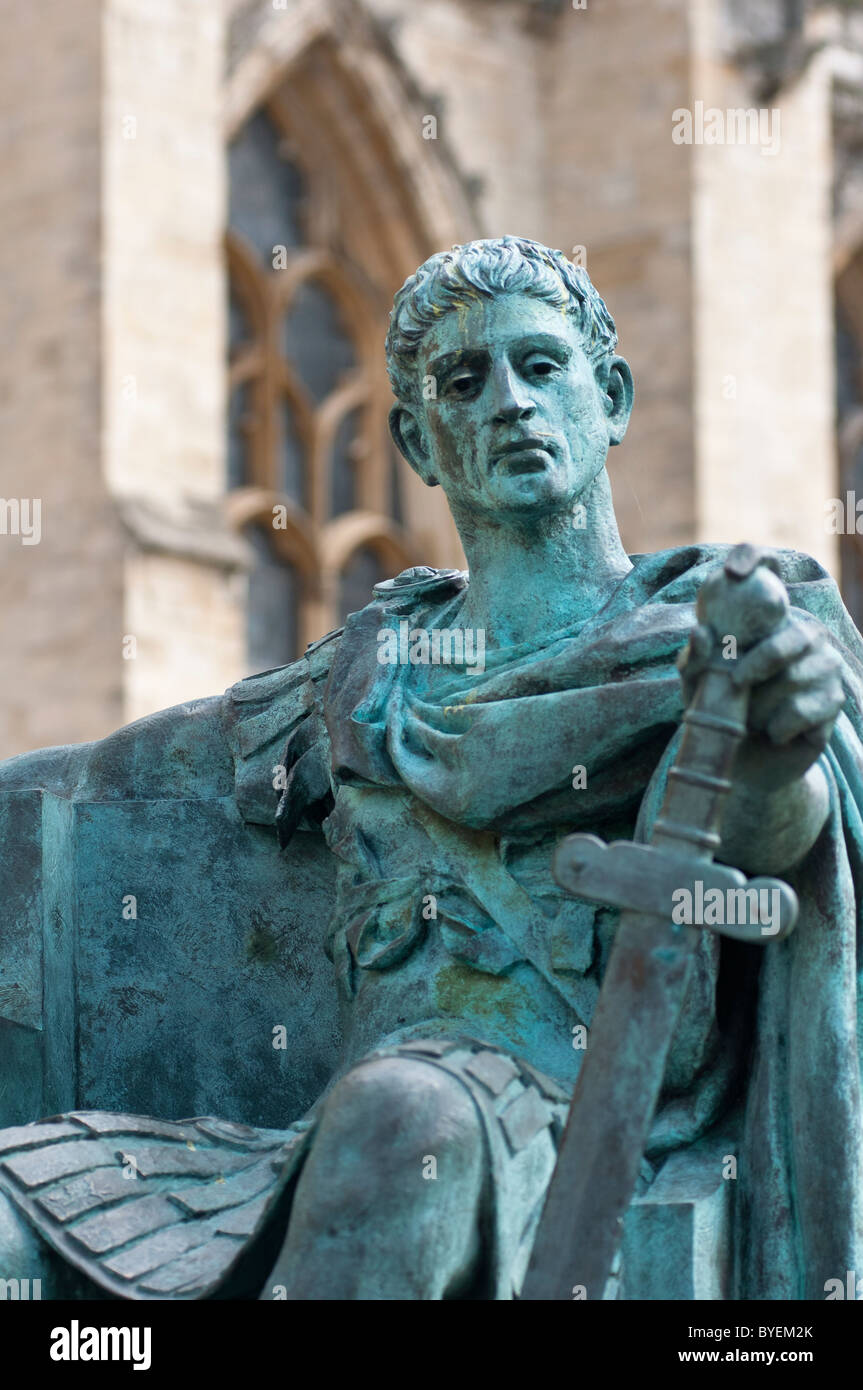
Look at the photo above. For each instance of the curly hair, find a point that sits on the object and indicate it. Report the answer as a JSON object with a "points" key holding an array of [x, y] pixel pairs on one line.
{"points": [[499, 265]]}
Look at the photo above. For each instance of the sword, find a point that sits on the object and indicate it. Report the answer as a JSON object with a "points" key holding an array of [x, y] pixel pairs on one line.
{"points": [[645, 980]]}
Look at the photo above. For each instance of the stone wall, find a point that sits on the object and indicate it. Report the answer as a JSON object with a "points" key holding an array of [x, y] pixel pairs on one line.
{"points": [[61, 606], [763, 296], [613, 74], [164, 337]]}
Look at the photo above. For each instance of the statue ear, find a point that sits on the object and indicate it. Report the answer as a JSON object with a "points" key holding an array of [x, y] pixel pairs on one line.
{"points": [[409, 439], [619, 391]]}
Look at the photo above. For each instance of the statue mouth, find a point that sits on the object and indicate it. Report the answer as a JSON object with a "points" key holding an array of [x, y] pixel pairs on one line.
{"points": [[529, 455]]}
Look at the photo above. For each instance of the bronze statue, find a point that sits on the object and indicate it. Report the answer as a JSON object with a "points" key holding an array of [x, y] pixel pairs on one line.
{"points": [[443, 744]]}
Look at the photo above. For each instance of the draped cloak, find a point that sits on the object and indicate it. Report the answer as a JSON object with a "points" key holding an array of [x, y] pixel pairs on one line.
{"points": [[485, 759]]}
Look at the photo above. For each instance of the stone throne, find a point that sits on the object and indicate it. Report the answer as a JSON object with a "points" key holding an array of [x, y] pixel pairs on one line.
{"points": [[152, 937]]}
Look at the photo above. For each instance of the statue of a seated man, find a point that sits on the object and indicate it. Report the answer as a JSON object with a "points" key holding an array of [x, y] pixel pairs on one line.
{"points": [[466, 975]]}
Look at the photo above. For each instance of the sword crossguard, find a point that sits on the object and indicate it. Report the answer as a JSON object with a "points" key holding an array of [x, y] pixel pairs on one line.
{"points": [[683, 890]]}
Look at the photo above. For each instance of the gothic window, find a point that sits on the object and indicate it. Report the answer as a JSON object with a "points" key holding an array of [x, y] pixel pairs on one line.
{"points": [[272, 604], [311, 475], [359, 574]]}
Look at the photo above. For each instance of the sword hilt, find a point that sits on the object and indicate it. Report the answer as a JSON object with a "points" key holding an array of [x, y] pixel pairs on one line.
{"points": [[741, 603]]}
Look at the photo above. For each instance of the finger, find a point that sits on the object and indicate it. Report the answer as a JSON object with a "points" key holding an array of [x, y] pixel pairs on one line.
{"points": [[820, 736], [771, 656], [805, 711], [813, 670], [697, 651]]}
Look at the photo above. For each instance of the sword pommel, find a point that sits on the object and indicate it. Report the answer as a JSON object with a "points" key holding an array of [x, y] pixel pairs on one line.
{"points": [[745, 599]]}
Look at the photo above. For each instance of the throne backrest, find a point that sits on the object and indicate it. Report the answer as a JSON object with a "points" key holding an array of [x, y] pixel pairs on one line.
{"points": [[158, 953]]}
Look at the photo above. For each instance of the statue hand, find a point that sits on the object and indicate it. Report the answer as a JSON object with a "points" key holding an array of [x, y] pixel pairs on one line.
{"points": [[796, 693]]}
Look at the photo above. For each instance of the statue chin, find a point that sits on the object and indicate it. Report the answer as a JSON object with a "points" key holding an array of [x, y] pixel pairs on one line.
{"points": [[536, 491]]}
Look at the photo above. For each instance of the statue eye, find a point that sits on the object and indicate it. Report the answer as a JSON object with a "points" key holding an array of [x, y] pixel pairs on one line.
{"points": [[541, 366], [461, 385]]}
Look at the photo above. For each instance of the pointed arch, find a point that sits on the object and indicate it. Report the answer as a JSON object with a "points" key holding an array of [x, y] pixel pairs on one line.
{"points": [[367, 102]]}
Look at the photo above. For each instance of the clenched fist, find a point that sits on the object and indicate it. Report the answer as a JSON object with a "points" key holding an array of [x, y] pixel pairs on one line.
{"points": [[780, 797], [794, 678]]}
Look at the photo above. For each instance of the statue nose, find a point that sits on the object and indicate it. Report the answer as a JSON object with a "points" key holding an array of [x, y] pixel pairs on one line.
{"points": [[514, 410], [510, 400]]}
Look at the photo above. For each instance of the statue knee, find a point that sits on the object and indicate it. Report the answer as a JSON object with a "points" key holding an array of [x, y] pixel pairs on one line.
{"points": [[402, 1110], [368, 1223]]}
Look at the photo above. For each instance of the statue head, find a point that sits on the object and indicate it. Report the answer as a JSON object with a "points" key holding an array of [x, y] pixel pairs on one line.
{"points": [[502, 359]]}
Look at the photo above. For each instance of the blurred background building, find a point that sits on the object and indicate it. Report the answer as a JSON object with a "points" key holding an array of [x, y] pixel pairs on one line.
{"points": [[206, 210]]}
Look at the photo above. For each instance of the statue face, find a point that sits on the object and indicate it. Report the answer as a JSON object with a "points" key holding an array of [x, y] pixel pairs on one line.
{"points": [[519, 423]]}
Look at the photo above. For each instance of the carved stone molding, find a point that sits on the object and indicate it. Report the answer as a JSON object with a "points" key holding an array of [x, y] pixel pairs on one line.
{"points": [[201, 532]]}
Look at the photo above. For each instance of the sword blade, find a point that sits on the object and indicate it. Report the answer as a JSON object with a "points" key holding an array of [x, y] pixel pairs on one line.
{"points": [[612, 1109]]}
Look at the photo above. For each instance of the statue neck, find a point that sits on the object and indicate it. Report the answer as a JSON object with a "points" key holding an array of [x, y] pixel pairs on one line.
{"points": [[533, 579]]}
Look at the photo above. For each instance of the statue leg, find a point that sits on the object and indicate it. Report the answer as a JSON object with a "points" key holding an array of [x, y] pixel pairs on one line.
{"points": [[388, 1203]]}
